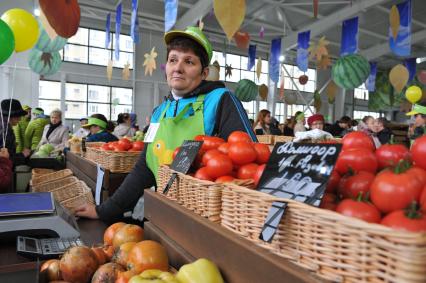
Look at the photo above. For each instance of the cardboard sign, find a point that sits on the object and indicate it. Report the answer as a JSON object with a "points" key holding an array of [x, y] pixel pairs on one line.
{"points": [[151, 133], [297, 171], [183, 160]]}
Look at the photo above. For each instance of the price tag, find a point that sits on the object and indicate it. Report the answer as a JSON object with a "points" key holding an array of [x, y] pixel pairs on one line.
{"points": [[183, 160], [99, 183], [297, 171], [151, 133]]}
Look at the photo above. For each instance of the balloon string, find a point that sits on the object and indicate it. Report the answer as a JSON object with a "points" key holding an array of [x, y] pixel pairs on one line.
{"points": [[10, 107]]}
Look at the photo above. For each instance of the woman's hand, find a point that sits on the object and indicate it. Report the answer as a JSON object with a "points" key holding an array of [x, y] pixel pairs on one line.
{"points": [[87, 210], [4, 153]]}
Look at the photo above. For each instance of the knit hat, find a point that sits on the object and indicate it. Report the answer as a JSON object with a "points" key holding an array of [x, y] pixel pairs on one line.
{"points": [[14, 106], [314, 118]]}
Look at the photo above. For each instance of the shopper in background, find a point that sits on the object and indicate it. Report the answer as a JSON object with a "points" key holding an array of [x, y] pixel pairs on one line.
{"points": [[98, 125], [262, 124], [134, 121], [5, 171], [418, 128], [82, 132], [124, 126], [289, 126], [193, 107], [383, 132], [341, 127], [19, 130], [300, 122], [55, 133], [34, 131], [368, 126], [316, 121]]}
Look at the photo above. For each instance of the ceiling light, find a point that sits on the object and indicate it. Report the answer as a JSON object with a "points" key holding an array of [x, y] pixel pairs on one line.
{"points": [[281, 58]]}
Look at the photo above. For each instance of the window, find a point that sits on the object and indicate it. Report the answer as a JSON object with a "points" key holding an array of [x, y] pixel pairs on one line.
{"points": [[83, 100], [295, 73], [361, 92], [87, 47], [250, 108], [362, 114], [291, 111]]}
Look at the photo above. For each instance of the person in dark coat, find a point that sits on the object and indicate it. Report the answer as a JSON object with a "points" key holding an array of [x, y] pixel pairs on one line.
{"points": [[383, 133]]}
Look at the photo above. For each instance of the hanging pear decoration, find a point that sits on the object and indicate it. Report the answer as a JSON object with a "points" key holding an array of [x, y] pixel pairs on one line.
{"points": [[263, 92], [230, 15], [258, 68], [317, 101], [398, 77], [331, 92]]}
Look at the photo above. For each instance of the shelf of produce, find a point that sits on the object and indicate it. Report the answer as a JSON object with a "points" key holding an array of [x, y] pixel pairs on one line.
{"points": [[86, 171], [238, 259]]}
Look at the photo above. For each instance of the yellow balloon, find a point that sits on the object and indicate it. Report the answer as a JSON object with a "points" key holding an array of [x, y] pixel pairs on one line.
{"points": [[413, 94], [24, 27]]}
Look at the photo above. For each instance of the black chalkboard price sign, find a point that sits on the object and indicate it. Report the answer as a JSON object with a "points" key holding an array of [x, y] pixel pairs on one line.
{"points": [[297, 171], [184, 158]]}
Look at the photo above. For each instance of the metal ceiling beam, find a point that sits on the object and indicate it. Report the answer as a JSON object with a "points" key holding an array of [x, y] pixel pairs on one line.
{"points": [[198, 11], [325, 23], [382, 49]]}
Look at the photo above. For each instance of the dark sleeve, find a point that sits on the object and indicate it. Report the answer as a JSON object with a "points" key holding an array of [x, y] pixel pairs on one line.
{"points": [[418, 132], [258, 131], [231, 116], [127, 195]]}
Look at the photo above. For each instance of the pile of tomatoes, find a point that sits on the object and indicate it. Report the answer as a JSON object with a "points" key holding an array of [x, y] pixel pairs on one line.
{"points": [[224, 161], [386, 186], [123, 144]]}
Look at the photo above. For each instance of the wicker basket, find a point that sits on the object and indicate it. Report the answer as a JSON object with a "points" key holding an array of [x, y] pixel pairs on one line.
{"points": [[75, 147], [93, 151], [51, 177], [37, 172], [50, 186], [120, 162], [202, 197], [336, 247], [73, 195], [266, 139], [283, 139]]}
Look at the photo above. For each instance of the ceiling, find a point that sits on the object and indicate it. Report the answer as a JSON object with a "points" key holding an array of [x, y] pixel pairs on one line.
{"points": [[284, 18]]}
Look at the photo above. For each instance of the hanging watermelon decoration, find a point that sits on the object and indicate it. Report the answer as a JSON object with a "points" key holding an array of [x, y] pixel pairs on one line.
{"points": [[246, 90], [45, 44], [350, 71], [44, 63]]}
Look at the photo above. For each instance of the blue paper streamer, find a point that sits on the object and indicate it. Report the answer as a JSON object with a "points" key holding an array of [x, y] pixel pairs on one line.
{"points": [[302, 50], [170, 14], [349, 44], [251, 56], [107, 31], [117, 32], [370, 83], [134, 23], [401, 46], [411, 66], [274, 61]]}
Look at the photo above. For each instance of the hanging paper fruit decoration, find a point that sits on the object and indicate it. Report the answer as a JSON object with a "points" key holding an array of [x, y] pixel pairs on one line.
{"points": [[230, 15], [7, 40], [413, 94], [246, 90], [150, 63], [303, 79], [258, 67], [290, 98], [62, 15], [317, 101], [214, 72], [24, 27], [394, 21], [46, 44], [422, 76], [242, 39], [331, 92], [43, 63], [398, 77], [350, 71], [263, 92]]}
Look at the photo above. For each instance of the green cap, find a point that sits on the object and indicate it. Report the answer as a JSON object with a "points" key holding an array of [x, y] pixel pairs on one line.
{"points": [[194, 33], [95, 122], [417, 109]]}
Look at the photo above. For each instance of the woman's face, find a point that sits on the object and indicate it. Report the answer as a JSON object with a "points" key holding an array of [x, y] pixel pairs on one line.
{"points": [[317, 125], [94, 129], [183, 71], [419, 120], [55, 118], [370, 124], [267, 119]]}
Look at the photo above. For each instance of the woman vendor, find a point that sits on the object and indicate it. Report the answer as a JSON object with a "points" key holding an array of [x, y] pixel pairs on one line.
{"points": [[193, 107]]}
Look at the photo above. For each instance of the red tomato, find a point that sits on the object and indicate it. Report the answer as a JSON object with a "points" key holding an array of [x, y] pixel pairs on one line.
{"points": [[333, 182], [239, 136], [209, 154], [263, 152], [329, 201], [258, 174], [423, 199], [119, 147], [200, 138], [391, 191], [358, 209], [242, 153], [418, 173], [134, 149], [357, 159], [351, 185], [247, 171], [357, 139], [198, 160], [125, 143], [175, 152], [202, 174], [106, 146], [328, 205], [390, 154], [225, 179], [224, 148], [399, 220], [138, 145], [212, 143], [219, 165], [418, 152]]}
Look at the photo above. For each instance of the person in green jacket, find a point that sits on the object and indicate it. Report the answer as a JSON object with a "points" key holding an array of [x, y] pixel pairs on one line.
{"points": [[19, 130], [35, 128]]}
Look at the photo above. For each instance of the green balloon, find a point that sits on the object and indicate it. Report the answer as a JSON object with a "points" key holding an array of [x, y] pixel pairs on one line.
{"points": [[7, 42]]}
